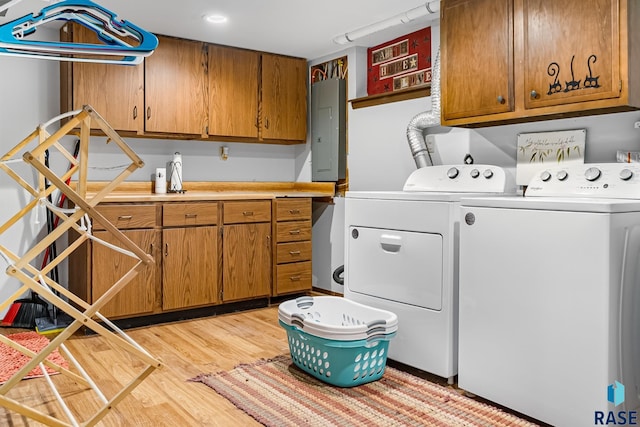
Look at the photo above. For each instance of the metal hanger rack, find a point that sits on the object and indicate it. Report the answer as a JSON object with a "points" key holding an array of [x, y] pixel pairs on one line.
{"points": [[122, 41]]}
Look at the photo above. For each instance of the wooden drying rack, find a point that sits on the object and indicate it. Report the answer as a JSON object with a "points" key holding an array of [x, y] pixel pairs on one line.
{"points": [[21, 268]]}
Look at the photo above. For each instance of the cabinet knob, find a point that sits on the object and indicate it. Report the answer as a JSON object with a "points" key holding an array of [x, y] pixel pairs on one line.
{"points": [[500, 99], [534, 94]]}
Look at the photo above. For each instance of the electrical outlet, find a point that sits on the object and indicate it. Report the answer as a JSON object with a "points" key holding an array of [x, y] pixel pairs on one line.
{"points": [[636, 125]]}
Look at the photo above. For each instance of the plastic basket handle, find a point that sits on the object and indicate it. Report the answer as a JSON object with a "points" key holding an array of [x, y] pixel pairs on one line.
{"points": [[304, 302], [297, 320], [376, 326]]}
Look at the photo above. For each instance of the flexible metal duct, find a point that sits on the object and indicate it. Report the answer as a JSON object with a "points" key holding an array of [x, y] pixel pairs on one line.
{"points": [[417, 125]]}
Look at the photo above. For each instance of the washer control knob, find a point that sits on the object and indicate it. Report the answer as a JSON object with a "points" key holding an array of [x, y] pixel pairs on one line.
{"points": [[592, 174], [545, 176], [488, 174], [562, 175], [626, 174], [475, 173], [453, 173]]}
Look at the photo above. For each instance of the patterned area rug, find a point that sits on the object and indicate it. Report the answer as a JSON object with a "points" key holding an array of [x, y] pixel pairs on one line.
{"points": [[277, 393], [12, 360]]}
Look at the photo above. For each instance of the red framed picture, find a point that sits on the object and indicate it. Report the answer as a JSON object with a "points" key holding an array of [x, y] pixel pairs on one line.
{"points": [[399, 64]]}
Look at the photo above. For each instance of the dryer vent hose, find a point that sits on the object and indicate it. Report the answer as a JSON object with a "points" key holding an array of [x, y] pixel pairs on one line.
{"points": [[338, 275], [417, 125]]}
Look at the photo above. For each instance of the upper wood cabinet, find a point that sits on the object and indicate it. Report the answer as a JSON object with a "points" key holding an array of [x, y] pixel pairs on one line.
{"points": [[509, 61], [114, 91], [176, 87], [233, 92], [283, 98]]}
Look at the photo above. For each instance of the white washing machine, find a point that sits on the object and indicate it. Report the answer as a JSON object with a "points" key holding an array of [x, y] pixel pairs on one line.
{"points": [[549, 295], [401, 255]]}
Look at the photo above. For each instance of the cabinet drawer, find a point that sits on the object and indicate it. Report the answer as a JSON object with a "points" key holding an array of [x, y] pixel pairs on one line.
{"points": [[293, 231], [293, 277], [293, 252], [252, 211], [127, 216], [293, 209], [185, 214]]}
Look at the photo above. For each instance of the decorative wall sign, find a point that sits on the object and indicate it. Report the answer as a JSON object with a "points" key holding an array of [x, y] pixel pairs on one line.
{"points": [[401, 63], [541, 149]]}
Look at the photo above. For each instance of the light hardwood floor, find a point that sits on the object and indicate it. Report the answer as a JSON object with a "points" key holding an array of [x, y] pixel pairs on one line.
{"points": [[165, 398]]}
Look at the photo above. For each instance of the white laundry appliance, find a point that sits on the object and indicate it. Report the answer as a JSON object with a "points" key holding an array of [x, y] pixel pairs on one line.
{"points": [[401, 255], [550, 298]]}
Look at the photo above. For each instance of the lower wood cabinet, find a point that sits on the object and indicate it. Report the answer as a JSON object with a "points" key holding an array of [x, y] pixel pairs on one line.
{"points": [[246, 261], [190, 267], [292, 269], [205, 253], [246, 243], [138, 297]]}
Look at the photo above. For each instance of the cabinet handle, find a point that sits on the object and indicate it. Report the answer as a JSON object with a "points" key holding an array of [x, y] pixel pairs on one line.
{"points": [[294, 252], [294, 211], [124, 217], [500, 99], [294, 232], [152, 246], [266, 124], [190, 215], [148, 113], [534, 94], [294, 278], [166, 249], [247, 213], [135, 112]]}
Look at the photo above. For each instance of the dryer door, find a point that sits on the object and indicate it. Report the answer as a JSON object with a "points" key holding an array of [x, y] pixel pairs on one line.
{"points": [[401, 266]]}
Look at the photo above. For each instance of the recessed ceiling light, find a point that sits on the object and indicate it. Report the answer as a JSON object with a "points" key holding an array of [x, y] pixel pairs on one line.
{"points": [[215, 18]]}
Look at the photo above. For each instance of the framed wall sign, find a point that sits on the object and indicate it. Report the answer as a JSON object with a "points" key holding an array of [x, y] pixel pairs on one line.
{"points": [[542, 149], [401, 63]]}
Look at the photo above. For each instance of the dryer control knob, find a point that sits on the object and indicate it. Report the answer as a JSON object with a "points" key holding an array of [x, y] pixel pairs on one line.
{"points": [[488, 174], [453, 172], [592, 174], [562, 175], [475, 173], [545, 176], [626, 174]]}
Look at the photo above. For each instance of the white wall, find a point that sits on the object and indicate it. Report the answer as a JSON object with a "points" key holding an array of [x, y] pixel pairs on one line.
{"points": [[30, 96]]}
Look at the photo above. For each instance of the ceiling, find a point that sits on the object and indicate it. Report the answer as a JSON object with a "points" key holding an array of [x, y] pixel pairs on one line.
{"points": [[299, 28]]}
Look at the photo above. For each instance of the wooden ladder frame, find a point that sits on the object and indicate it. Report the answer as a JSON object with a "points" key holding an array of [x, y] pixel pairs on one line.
{"points": [[21, 268]]}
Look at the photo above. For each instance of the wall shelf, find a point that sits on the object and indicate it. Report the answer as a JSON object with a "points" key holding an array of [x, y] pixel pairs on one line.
{"points": [[385, 98]]}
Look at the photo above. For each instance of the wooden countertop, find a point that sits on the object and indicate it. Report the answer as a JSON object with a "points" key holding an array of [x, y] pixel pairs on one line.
{"points": [[220, 190]]}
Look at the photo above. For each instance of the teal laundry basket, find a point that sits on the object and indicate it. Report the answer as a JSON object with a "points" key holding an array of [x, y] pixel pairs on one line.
{"points": [[340, 342]]}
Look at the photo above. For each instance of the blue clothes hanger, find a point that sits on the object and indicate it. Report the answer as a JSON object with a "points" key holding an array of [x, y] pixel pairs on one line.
{"points": [[115, 34]]}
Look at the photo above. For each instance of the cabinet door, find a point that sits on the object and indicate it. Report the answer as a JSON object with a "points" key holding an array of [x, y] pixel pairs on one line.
{"points": [[476, 57], [108, 266], [176, 87], [284, 98], [570, 57], [114, 91], [246, 261], [233, 92], [190, 271]]}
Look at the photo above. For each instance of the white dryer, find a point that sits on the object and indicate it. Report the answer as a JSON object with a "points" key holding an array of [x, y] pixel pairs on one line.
{"points": [[550, 296], [401, 255]]}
